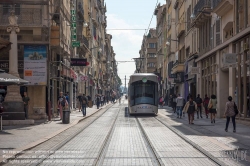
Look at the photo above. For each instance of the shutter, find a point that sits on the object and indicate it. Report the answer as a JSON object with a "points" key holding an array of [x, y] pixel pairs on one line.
{"points": [[217, 30]]}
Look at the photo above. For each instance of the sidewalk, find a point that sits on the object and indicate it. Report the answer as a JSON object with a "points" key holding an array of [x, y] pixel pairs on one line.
{"points": [[23, 137], [239, 140]]}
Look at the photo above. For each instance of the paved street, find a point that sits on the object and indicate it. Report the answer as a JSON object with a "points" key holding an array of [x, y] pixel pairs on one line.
{"points": [[112, 137]]}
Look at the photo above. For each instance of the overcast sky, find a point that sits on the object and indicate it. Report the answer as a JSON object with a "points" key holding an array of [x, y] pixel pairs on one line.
{"points": [[129, 14]]}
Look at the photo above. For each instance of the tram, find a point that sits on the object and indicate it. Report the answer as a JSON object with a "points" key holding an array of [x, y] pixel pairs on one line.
{"points": [[143, 93]]}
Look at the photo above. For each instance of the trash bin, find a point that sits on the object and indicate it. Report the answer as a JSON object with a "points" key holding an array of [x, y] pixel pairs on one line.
{"points": [[66, 117]]}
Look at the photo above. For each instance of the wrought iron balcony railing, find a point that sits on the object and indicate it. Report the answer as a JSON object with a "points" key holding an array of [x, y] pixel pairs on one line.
{"points": [[201, 5], [215, 3], [28, 38]]}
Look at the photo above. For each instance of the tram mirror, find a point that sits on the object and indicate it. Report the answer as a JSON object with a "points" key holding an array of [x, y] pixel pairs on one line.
{"points": [[144, 80]]}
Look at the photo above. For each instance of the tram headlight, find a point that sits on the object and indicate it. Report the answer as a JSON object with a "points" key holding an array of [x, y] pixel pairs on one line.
{"points": [[144, 80]]}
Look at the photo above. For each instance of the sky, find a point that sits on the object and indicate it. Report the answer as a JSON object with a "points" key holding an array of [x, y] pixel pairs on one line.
{"points": [[129, 14]]}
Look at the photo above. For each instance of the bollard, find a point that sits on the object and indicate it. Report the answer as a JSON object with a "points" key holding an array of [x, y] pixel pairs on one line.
{"points": [[66, 117]]}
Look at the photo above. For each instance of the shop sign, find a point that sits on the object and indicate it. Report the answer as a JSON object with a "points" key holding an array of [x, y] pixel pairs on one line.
{"points": [[229, 58], [4, 64], [179, 77], [194, 70], [83, 78], [35, 64]]}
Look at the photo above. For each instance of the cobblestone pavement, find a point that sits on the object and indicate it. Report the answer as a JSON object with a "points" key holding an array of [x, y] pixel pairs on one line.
{"points": [[112, 137], [25, 136], [231, 148]]}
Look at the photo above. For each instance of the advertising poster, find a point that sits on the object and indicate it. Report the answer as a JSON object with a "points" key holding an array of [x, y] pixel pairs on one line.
{"points": [[35, 66]]}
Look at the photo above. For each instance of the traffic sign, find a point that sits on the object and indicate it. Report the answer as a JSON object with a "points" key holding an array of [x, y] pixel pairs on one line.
{"points": [[75, 43]]}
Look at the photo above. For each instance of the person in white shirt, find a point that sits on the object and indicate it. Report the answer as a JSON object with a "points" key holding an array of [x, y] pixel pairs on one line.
{"points": [[179, 105]]}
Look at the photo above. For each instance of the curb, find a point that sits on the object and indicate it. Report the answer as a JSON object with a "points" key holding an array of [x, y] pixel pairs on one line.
{"points": [[33, 144]]}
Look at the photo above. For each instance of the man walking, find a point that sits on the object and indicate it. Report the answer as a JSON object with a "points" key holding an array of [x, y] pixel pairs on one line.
{"points": [[79, 97], [199, 109], [179, 105], [84, 104], [26, 100], [60, 99]]}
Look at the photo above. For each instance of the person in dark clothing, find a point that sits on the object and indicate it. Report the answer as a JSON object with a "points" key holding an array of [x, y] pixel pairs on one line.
{"points": [[199, 108], [26, 100], [80, 102], [97, 98], [205, 105], [190, 107], [84, 104], [174, 103]]}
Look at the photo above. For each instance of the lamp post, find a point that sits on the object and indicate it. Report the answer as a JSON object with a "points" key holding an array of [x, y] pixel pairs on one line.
{"points": [[138, 63]]}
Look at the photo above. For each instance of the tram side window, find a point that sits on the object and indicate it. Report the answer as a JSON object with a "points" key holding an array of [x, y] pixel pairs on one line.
{"points": [[131, 94]]}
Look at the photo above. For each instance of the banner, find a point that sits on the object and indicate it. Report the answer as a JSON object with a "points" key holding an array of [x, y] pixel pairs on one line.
{"points": [[35, 66]]}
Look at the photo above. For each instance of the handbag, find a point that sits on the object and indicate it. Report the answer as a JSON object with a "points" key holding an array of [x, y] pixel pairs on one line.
{"points": [[236, 109], [210, 105]]}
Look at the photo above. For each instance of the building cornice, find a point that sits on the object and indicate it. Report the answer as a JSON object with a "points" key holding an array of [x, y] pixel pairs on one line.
{"points": [[226, 43]]}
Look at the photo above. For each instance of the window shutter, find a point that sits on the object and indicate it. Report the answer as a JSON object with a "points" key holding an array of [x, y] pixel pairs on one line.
{"points": [[217, 30]]}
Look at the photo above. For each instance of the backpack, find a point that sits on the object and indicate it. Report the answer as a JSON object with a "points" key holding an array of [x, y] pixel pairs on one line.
{"points": [[63, 103], [198, 100], [84, 100], [161, 100]]}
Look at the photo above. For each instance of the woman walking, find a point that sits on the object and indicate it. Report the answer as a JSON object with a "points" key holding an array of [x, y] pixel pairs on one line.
{"points": [[212, 108], [230, 113], [190, 107]]}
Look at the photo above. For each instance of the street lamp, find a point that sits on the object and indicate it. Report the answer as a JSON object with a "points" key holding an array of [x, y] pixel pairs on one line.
{"points": [[168, 43], [138, 63], [100, 49]]}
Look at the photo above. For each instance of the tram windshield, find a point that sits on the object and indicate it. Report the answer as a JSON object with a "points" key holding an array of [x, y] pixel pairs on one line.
{"points": [[143, 93]]}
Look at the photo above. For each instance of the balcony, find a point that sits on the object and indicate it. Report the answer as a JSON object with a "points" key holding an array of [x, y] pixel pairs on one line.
{"points": [[181, 29], [27, 38], [80, 10], [199, 11], [178, 67], [84, 41], [26, 18], [221, 7]]}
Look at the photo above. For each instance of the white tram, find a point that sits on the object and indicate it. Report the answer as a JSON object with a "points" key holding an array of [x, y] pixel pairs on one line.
{"points": [[143, 93]]}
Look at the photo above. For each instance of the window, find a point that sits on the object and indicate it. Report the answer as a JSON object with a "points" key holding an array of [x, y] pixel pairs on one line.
{"points": [[8, 8], [151, 55], [151, 64], [143, 93], [151, 45]]}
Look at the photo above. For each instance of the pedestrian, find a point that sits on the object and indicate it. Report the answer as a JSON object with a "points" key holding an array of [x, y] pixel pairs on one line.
{"points": [[97, 99], [170, 100], [184, 103], [179, 105], [1, 98], [161, 101], [174, 103], [190, 108], [102, 100], [26, 100], [64, 104], [212, 108], [59, 108], [84, 104], [67, 96], [79, 97], [205, 105], [230, 113], [166, 100], [120, 100], [198, 101]]}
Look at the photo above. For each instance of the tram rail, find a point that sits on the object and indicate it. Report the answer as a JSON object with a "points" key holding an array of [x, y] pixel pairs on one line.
{"points": [[58, 145]]}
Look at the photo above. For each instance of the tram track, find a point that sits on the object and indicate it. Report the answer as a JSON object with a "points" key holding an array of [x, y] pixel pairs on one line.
{"points": [[156, 158], [59, 145], [194, 145], [101, 155]]}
